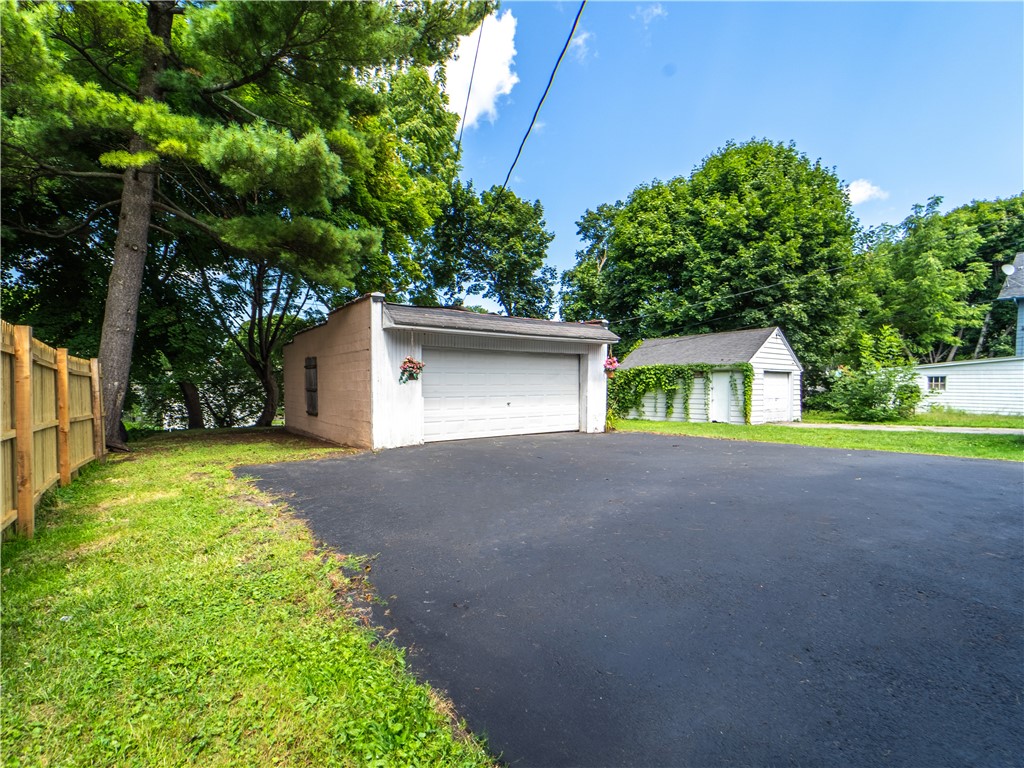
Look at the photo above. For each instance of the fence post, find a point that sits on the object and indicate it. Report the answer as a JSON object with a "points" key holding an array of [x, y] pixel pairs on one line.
{"points": [[23, 426], [63, 419], [99, 433]]}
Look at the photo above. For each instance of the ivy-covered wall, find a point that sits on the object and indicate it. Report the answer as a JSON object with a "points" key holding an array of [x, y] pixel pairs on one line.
{"points": [[627, 388]]}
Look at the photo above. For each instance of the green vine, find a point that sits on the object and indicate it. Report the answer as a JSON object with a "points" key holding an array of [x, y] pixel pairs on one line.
{"points": [[748, 389], [627, 389]]}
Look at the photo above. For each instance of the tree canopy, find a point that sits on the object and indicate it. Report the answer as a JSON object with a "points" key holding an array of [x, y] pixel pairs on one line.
{"points": [[935, 278], [757, 235], [493, 245], [308, 135]]}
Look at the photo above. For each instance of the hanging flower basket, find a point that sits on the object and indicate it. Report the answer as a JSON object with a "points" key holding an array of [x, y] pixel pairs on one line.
{"points": [[410, 370], [610, 365]]}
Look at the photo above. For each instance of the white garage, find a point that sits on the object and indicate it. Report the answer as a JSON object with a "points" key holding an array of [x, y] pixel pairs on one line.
{"points": [[775, 389], [482, 375]]}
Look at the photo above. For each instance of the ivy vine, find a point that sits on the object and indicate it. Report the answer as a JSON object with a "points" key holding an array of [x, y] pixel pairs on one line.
{"points": [[627, 389]]}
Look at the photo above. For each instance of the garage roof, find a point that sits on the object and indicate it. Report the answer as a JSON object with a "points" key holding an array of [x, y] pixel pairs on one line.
{"points": [[712, 348], [465, 321]]}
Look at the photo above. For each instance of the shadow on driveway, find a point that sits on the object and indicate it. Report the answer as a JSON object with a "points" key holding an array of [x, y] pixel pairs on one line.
{"points": [[653, 600]]}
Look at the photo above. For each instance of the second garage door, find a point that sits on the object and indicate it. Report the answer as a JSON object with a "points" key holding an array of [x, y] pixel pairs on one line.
{"points": [[471, 393], [778, 397]]}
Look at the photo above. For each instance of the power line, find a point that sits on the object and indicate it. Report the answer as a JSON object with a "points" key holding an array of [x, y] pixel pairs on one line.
{"points": [[472, 74], [536, 112]]}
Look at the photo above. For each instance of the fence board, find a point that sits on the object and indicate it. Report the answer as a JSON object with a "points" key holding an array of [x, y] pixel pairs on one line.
{"points": [[8, 473], [51, 421]]}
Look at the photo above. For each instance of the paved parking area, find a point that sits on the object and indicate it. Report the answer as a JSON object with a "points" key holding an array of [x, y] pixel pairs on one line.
{"points": [[652, 600]]}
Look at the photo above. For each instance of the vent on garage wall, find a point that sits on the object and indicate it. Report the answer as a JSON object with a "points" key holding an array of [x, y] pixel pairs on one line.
{"points": [[311, 395]]}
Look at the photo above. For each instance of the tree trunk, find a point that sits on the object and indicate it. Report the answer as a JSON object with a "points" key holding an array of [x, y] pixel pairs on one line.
{"points": [[193, 406], [121, 312], [981, 336], [272, 396]]}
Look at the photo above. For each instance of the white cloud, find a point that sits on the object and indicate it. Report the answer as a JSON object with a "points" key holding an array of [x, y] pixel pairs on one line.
{"points": [[649, 12], [494, 77], [862, 190], [579, 45]]}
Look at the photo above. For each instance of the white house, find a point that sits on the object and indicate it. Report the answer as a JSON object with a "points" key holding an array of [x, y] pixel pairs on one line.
{"points": [[993, 385], [776, 383], [483, 375]]}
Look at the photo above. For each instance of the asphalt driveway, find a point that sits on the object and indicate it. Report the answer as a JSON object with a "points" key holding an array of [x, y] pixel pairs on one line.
{"points": [[652, 600]]}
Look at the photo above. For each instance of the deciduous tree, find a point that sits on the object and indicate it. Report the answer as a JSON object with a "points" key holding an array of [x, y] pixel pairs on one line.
{"points": [[757, 235], [493, 246]]}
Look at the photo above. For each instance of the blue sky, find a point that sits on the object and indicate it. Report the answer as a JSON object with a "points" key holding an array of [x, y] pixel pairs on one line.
{"points": [[910, 100]]}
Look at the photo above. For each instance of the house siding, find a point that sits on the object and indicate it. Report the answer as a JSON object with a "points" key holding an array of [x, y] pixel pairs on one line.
{"points": [[775, 356], [342, 349], [976, 386], [654, 404]]}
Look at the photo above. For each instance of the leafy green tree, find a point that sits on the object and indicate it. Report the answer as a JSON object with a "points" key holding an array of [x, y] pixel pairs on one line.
{"points": [[757, 235], [493, 246], [882, 385], [921, 277], [1000, 224], [259, 306], [242, 120], [581, 285]]}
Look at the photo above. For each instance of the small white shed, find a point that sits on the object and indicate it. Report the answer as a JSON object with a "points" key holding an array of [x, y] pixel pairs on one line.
{"points": [[483, 375], [776, 383], [992, 385]]}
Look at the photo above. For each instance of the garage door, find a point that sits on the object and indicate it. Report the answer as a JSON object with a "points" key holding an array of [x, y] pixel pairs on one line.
{"points": [[778, 397], [486, 394]]}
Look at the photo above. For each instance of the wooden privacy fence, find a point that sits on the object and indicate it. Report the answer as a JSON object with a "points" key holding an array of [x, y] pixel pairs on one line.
{"points": [[51, 425]]}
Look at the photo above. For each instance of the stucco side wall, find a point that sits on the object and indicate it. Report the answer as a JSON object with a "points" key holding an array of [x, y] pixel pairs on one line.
{"points": [[342, 349]]}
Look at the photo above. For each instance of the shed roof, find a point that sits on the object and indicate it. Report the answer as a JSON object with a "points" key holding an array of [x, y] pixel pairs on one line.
{"points": [[1013, 286], [446, 319], [713, 348]]}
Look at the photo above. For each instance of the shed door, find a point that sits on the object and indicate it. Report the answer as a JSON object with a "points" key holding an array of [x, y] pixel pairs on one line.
{"points": [[472, 393], [778, 397]]}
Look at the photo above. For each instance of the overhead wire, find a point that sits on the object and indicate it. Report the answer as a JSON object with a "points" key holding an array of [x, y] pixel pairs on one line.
{"points": [[469, 91], [536, 112]]}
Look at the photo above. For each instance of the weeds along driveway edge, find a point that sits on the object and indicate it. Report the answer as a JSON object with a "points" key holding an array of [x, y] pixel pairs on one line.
{"points": [[168, 612]]}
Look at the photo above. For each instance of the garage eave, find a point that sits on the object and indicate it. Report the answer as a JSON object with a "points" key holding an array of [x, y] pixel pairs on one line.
{"points": [[461, 322]]}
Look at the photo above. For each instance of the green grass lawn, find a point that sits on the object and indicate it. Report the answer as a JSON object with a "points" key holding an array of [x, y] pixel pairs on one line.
{"points": [[937, 417], [975, 446], [167, 613]]}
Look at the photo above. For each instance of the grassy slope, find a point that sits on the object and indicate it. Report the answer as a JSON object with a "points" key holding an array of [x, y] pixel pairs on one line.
{"points": [[933, 418], [976, 446], [167, 613]]}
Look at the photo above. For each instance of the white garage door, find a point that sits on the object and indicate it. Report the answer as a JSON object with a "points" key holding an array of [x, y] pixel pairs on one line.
{"points": [[469, 393], [778, 397]]}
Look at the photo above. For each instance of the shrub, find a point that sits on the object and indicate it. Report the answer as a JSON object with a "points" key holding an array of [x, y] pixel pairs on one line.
{"points": [[883, 387]]}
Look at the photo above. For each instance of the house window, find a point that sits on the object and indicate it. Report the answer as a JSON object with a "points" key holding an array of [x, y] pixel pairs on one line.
{"points": [[311, 397], [936, 383]]}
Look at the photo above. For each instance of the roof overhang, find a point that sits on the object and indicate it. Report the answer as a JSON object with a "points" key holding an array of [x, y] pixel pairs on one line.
{"points": [[465, 323]]}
